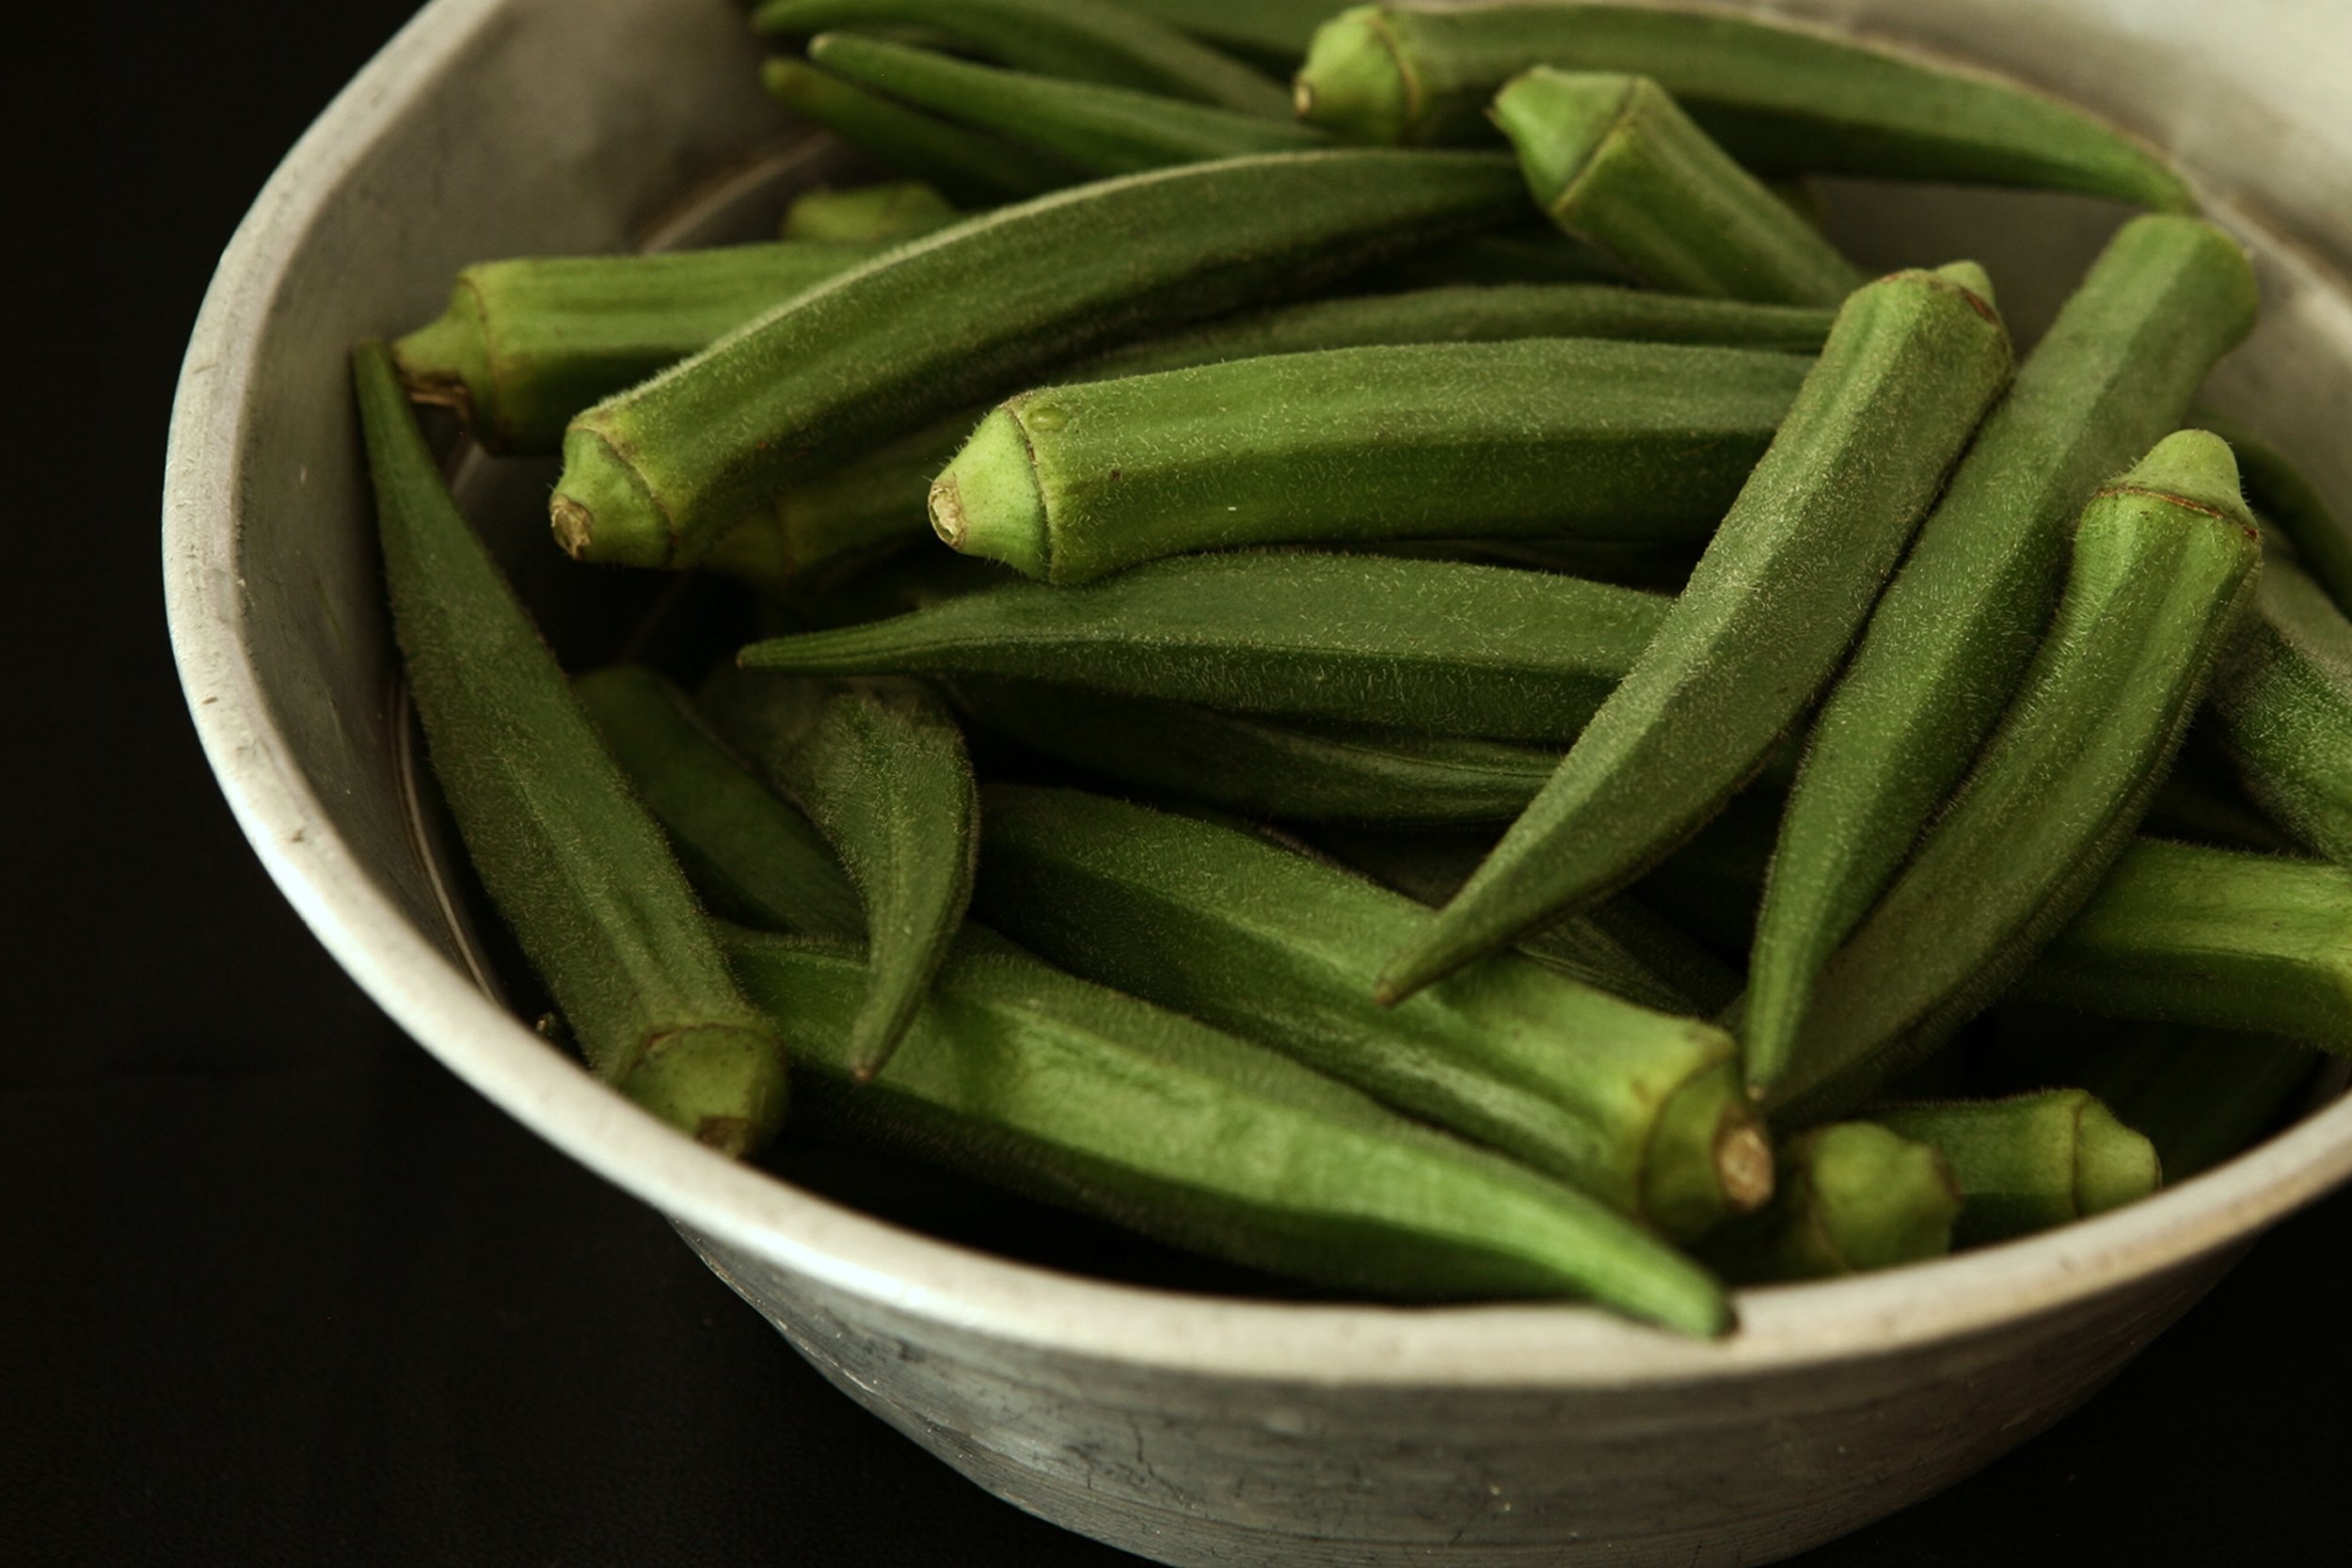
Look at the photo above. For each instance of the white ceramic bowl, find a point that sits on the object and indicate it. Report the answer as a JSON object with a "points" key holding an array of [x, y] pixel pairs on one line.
{"points": [[1185, 1428]]}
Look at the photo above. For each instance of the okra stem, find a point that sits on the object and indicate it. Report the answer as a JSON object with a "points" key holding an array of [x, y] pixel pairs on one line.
{"points": [[1848, 1199]]}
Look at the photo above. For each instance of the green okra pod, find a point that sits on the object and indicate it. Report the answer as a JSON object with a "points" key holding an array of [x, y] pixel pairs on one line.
{"points": [[573, 864], [1271, 32], [1101, 130], [755, 857], [529, 343], [881, 213], [2282, 709], [2030, 1163], [1020, 1075], [967, 168], [1960, 622], [1430, 645], [1536, 438], [1614, 161], [1298, 771], [2282, 497], [1085, 38], [1769, 614], [1848, 1197], [2199, 1095], [652, 477], [2163, 561], [1640, 1109], [2180, 933], [1781, 99], [1518, 255]]}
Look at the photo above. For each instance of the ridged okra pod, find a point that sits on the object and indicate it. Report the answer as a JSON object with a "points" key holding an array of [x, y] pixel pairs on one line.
{"points": [[1101, 130], [1781, 99], [1848, 1197], [1533, 438], [2199, 1095], [2282, 709], [1640, 1109], [2030, 1163], [2183, 934], [753, 856], [1614, 161], [1431, 645], [1023, 1077], [1959, 623], [652, 477], [2286, 499], [969, 167], [1764, 621], [1085, 38], [880, 213], [2163, 562], [575, 867], [529, 343], [1274, 32]]}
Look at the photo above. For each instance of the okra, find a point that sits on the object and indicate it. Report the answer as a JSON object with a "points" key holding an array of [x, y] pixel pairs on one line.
{"points": [[1519, 255], [1271, 32], [1640, 1109], [1101, 130], [1085, 38], [753, 857], [651, 477], [575, 867], [2163, 561], [1298, 770], [2282, 709], [1767, 617], [1614, 161], [2283, 499], [2199, 1095], [1531, 438], [2030, 1163], [1023, 1077], [1428, 645], [882, 213], [2184, 934], [969, 168], [1781, 99], [1848, 1199], [1958, 625], [526, 344]]}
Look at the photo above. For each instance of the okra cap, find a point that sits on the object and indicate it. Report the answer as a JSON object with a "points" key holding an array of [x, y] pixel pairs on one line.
{"points": [[986, 502], [1355, 81]]}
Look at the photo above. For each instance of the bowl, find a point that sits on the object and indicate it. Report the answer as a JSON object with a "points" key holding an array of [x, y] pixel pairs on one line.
{"points": [[1191, 1429]]}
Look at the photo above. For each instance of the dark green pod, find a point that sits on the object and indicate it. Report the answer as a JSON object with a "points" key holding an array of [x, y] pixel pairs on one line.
{"points": [[969, 168], [1430, 645], [1271, 32], [575, 865], [1022, 1076], [1083, 38], [1781, 99], [652, 478], [1640, 1109], [2031, 1162], [882, 213], [1531, 438], [1848, 1197], [2199, 1095], [1614, 161], [2282, 709], [1101, 130], [1767, 615]]}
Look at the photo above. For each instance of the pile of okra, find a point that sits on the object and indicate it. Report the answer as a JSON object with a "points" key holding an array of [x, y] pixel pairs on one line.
{"points": [[1520, 702]]}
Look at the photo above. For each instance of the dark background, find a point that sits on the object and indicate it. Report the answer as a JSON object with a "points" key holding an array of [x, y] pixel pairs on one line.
{"points": [[274, 1288]]}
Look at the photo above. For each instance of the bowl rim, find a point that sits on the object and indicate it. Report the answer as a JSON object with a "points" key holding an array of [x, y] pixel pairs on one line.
{"points": [[743, 1209]]}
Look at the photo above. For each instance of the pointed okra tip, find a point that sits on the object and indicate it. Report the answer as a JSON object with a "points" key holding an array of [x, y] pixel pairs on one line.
{"points": [[1558, 121], [602, 509], [988, 502], [1356, 82], [2196, 468]]}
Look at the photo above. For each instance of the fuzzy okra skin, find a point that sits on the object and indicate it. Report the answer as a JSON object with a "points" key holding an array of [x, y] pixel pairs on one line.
{"points": [[529, 343], [1781, 99], [1020, 1075], [2180, 933], [1088, 39], [653, 476], [576, 868], [1958, 623], [1431, 645], [1275, 31], [2031, 1162], [881, 213], [1848, 1198], [1536, 438], [967, 166], [2282, 709], [1767, 616], [1101, 130], [1640, 1109], [2164, 561], [2285, 499], [1614, 161]]}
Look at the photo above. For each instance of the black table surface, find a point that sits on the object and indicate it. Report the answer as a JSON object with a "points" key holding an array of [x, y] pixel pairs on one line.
{"points": [[277, 1289]]}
